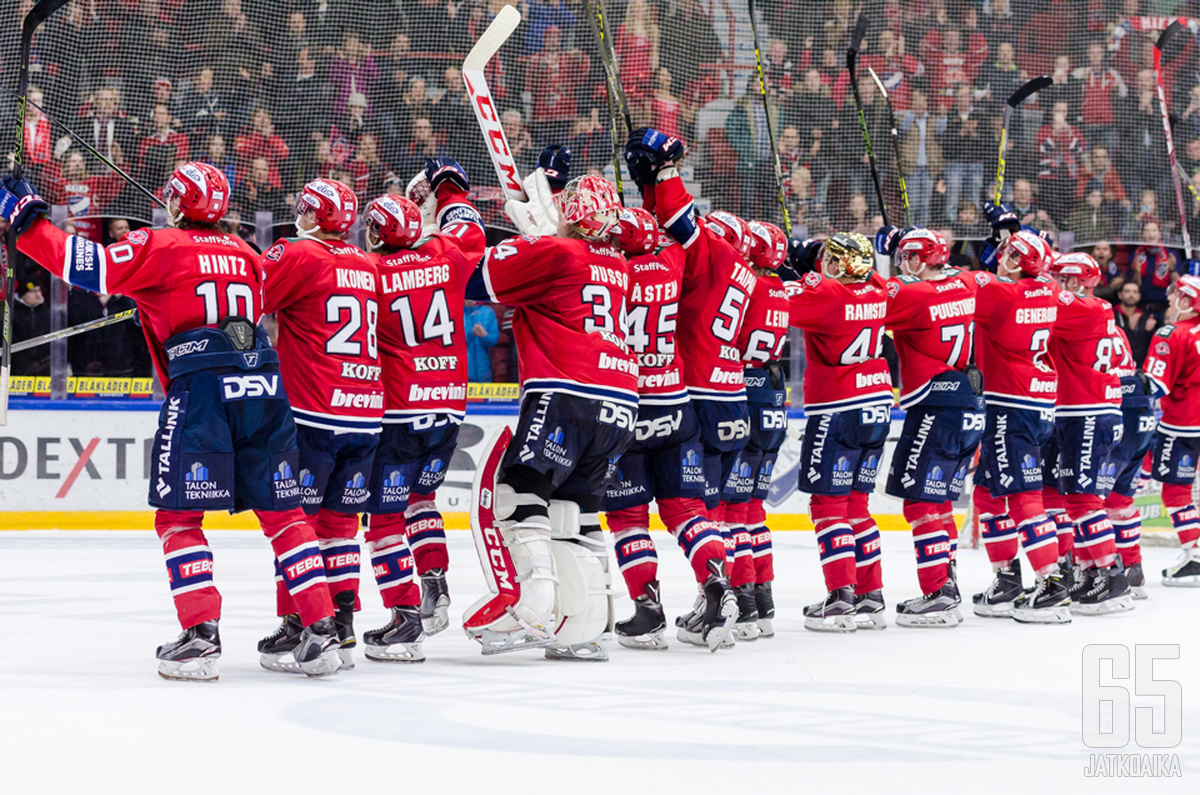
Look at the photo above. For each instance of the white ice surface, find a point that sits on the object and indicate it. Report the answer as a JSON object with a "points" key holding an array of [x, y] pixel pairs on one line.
{"points": [[991, 706]]}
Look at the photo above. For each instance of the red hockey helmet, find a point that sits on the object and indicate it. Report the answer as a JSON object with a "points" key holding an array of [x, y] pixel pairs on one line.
{"points": [[920, 249], [332, 203], [1077, 264], [1187, 285], [590, 205], [393, 221], [1031, 252], [636, 231], [202, 190], [730, 227], [768, 245]]}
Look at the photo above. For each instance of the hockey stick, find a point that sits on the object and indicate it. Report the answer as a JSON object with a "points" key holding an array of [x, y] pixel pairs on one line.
{"points": [[860, 31], [95, 153], [486, 113], [40, 12], [611, 54], [895, 135], [613, 90], [1017, 97], [1163, 39], [762, 90], [71, 331], [1187, 180]]}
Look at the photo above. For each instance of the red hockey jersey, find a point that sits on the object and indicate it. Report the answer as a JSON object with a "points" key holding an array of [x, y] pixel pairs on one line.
{"points": [[1082, 347], [181, 279], [324, 294], [655, 282], [843, 342], [422, 342], [1012, 338], [932, 324], [1173, 365], [717, 285], [765, 328], [570, 298]]}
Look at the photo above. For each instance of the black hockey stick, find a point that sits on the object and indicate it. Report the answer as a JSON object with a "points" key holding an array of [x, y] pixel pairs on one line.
{"points": [[762, 90], [856, 39], [71, 331], [1020, 95], [40, 12], [611, 88], [1159, 45], [895, 135], [608, 51]]}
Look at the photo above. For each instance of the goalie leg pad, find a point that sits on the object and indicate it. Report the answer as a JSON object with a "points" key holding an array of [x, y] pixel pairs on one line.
{"points": [[584, 590]]}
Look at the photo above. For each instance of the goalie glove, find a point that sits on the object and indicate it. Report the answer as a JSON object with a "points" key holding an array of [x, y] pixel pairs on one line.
{"points": [[537, 215]]}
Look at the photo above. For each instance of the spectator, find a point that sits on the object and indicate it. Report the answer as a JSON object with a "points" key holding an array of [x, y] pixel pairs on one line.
{"points": [[666, 113], [1103, 175], [288, 49], [1137, 324], [682, 56], [217, 156], [1024, 205], [423, 144], [370, 172], [117, 351], [261, 140], [1114, 273], [542, 15], [1146, 212], [554, 77], [428, 24], [354, 122], [1144, 142], [256, 194], [1061, 145], [205, 111], [1100, 89], [966, 227], [920, 155], [747, 132], [161, 149], [108, 129], [39, 138], [114, 230], [84, 195], [1158, 266], [637, 47], [520, 143], [1089, 221], [303, 115], [963, 148], [815, 117], [1000, 78], [31, 318], [484, 335], [451, 109], [952, 67], [857, 219], [353, 72]]}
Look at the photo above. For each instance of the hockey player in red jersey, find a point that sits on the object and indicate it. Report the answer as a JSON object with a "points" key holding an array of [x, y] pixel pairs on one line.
{"points": [[226, 438], [1087, 429], [1173, 366], [716, 288], [931, 312], [423, 352], [536, 512], [324, 293], [665, 461], [842, 307], [1014, 312], [760, 342]]}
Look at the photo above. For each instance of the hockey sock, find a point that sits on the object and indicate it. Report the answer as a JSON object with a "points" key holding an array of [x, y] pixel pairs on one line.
{"points": [[930, 542], [637, 559], [189, 566], [426, 533], [1064, 528], [835, 539], [1184, 517], [1095, 539], [760, 542], [337, 537], [392, 561], [699, 538], [999, 532], [742, 570], [946, 514], [1127, 525], [299, 565], [1039, 537], [867, 554]]}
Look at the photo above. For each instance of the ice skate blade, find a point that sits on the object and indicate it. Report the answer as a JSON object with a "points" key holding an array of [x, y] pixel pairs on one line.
{"points": [[280, 663], [395, 653], [842, 624], [766, 627], [1122, 604], [651, 641], [580, 652], [1059, 614], [746, 632], [695, 639], [199, 669], [438, 621], [327, 664], [1139, 593], [870, 621], [1192, 581], [942, 619], [997, 610], [346, 655], [494, 642]]}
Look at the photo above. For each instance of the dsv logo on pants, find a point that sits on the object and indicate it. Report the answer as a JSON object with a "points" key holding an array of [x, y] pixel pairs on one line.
{"points": [[244, 387]]}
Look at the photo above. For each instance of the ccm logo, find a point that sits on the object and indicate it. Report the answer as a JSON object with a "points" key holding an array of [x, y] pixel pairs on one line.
{"points": [[241, 387]]}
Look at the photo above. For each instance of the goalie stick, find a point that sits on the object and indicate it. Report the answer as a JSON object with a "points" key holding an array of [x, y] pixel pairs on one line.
{"points": [[895, 135], [762, 90], [856, 39], [486, 113], [1159, 45], [40, 12], [1014, 100]]}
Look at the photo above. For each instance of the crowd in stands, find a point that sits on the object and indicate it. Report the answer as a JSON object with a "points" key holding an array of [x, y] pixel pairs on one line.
{"points": [[278, 92]]}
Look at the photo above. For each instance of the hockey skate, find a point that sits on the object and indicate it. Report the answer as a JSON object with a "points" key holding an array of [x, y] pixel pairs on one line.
{"points": [[711, 621], [647, 628], [317, 651], [343, 620], [1186, 571], [1108, 592], [765, 601], [997, 601], [1048, 603], [399, 640], [277, 650], [933, 610], [594, 651], [1078, 582], [833, 614], [192, 657], [1137, 581], [435, 601], [869, 610], [745, 628]]}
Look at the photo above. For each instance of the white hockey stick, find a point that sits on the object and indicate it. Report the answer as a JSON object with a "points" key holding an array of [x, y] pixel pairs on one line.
{"points": [[486, 113]]}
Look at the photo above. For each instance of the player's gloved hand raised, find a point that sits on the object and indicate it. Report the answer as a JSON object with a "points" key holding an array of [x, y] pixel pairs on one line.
{"points": [[1193, 267], [1001, 217], [803, 256], [555, 160], [888, 238], [20, 203], [648, 150], [445, 169]]}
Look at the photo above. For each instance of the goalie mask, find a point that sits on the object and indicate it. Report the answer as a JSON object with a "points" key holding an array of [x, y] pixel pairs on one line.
{"points": [[848, 254], [394, 222], [202, 191], [589, 206]]}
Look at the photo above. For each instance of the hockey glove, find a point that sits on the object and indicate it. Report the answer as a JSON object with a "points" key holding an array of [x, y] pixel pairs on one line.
{"points": [[887, 238], [1193, 267], [555, 160], [1001, 217], [537, 215], [418, 193], [20, 204], [648, 150], [445, 169], [803, 255]]}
